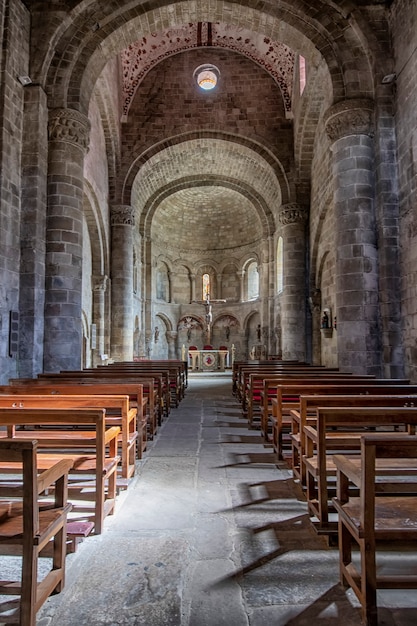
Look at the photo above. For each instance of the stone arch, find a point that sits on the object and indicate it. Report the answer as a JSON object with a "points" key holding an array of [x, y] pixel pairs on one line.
{"points": [[97, 231], [255, 151], [181, 282], [169, 324], [261, 208], [83, 46]]}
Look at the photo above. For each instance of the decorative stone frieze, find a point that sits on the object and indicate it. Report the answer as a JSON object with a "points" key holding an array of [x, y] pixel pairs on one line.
{"points": [[70, 126], [292, 214], [350, 117], [122, 215]]}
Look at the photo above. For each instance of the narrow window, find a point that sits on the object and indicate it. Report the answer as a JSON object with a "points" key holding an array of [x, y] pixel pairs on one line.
{"points": [[302, 73], [280, 266], [253, 281], [206, 286]]}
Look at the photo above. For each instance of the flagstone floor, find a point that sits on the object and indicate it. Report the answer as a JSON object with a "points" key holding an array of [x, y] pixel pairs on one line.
{"points": [[212, 532]]}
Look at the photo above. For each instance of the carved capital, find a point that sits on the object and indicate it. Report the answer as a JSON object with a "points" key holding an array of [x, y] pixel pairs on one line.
{"points": [[292, 214], [350, 117], [122, 215], [69, 126]]}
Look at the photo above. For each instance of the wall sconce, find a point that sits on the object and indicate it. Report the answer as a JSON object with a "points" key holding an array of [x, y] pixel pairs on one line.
{"points": [[24, 80]]}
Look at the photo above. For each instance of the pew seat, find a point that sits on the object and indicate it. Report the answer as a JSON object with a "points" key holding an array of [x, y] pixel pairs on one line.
{"points": [[383, 515], [32, 525]]}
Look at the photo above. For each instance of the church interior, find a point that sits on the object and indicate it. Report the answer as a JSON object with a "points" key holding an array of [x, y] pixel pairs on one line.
{"points": [[130, 191], [210, 182]]}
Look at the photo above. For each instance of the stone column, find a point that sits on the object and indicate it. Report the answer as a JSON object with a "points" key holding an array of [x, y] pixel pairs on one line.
{"points": [[293, 220], [99, 313], [349, 126], [122, 224], [241, 276], [68, 141]]}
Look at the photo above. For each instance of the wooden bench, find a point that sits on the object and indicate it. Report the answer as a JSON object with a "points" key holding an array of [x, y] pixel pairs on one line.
{"points": [[118, 413], [384, 512], [254, 389], [141, 397], [177, 373], [238, 366], [306, 413], [338, 430], [28, 525], [92, 479], [153, 385], [288, 397], [160, 376], [252, 382]]}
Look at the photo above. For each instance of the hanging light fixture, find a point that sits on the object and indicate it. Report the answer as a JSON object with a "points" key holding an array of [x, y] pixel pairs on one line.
{"points": [[207, 76]]}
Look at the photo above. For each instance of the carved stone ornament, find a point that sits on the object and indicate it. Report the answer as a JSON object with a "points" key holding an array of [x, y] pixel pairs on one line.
{"points": [[350, 117], [100, 282], [292, 214], [70, 126], [122, 215]]}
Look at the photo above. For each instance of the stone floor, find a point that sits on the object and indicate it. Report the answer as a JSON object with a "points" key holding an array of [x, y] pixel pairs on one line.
{"points": [[211, 533]]}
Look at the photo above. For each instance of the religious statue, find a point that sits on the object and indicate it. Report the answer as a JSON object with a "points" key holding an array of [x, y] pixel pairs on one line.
{"points": [[209, 314], [325, 320], [156, 334]]}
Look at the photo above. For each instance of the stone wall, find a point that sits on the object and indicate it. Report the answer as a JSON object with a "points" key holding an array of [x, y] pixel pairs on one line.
{"points": [[404, 35], [14, 33]]}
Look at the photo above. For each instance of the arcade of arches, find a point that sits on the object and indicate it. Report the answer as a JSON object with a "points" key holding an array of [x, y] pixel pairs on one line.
{"points": [[290, 185]]}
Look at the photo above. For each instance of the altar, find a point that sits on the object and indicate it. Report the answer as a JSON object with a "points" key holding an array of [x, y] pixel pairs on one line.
{"points": [[208, 360]]}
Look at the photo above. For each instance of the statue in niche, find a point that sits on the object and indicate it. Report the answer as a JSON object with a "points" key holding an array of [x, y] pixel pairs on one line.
{"points": [[325, 320], [156, 334]]}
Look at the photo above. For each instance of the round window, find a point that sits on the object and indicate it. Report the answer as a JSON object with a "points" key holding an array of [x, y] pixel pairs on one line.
{"points": [[206, 76]]}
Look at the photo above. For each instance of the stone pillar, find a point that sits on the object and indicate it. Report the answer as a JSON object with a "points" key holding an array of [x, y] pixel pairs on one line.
{"points": [[293, 220], [122, 224], [241, 276], [99, 313], [349, 126], [68, 142], [171, 336]]}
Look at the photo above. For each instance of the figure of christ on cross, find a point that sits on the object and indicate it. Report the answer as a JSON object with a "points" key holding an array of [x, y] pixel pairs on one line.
{"points": [[209, 313]]}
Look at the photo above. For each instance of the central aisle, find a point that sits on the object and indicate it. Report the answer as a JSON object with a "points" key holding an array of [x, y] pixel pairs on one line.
{"points": [[211, 533]]}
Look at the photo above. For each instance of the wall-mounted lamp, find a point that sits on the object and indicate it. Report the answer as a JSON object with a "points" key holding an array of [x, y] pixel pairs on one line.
{"points": [[388, 79], [24, 80]]}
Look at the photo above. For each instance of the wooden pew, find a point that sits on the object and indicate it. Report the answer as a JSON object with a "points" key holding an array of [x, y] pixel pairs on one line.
{"points": [[172, 380], [239, 365], [306, 414], [374, 519], [142, 396], [28, 525], [339, 429], [178, 373], [118, 413], [288, 397], [254, 389], [92, 478], [161, 392], [252, 393]]}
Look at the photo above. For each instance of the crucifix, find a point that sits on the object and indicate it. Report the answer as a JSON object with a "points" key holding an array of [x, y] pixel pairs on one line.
{"points": [[209, 313]]}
